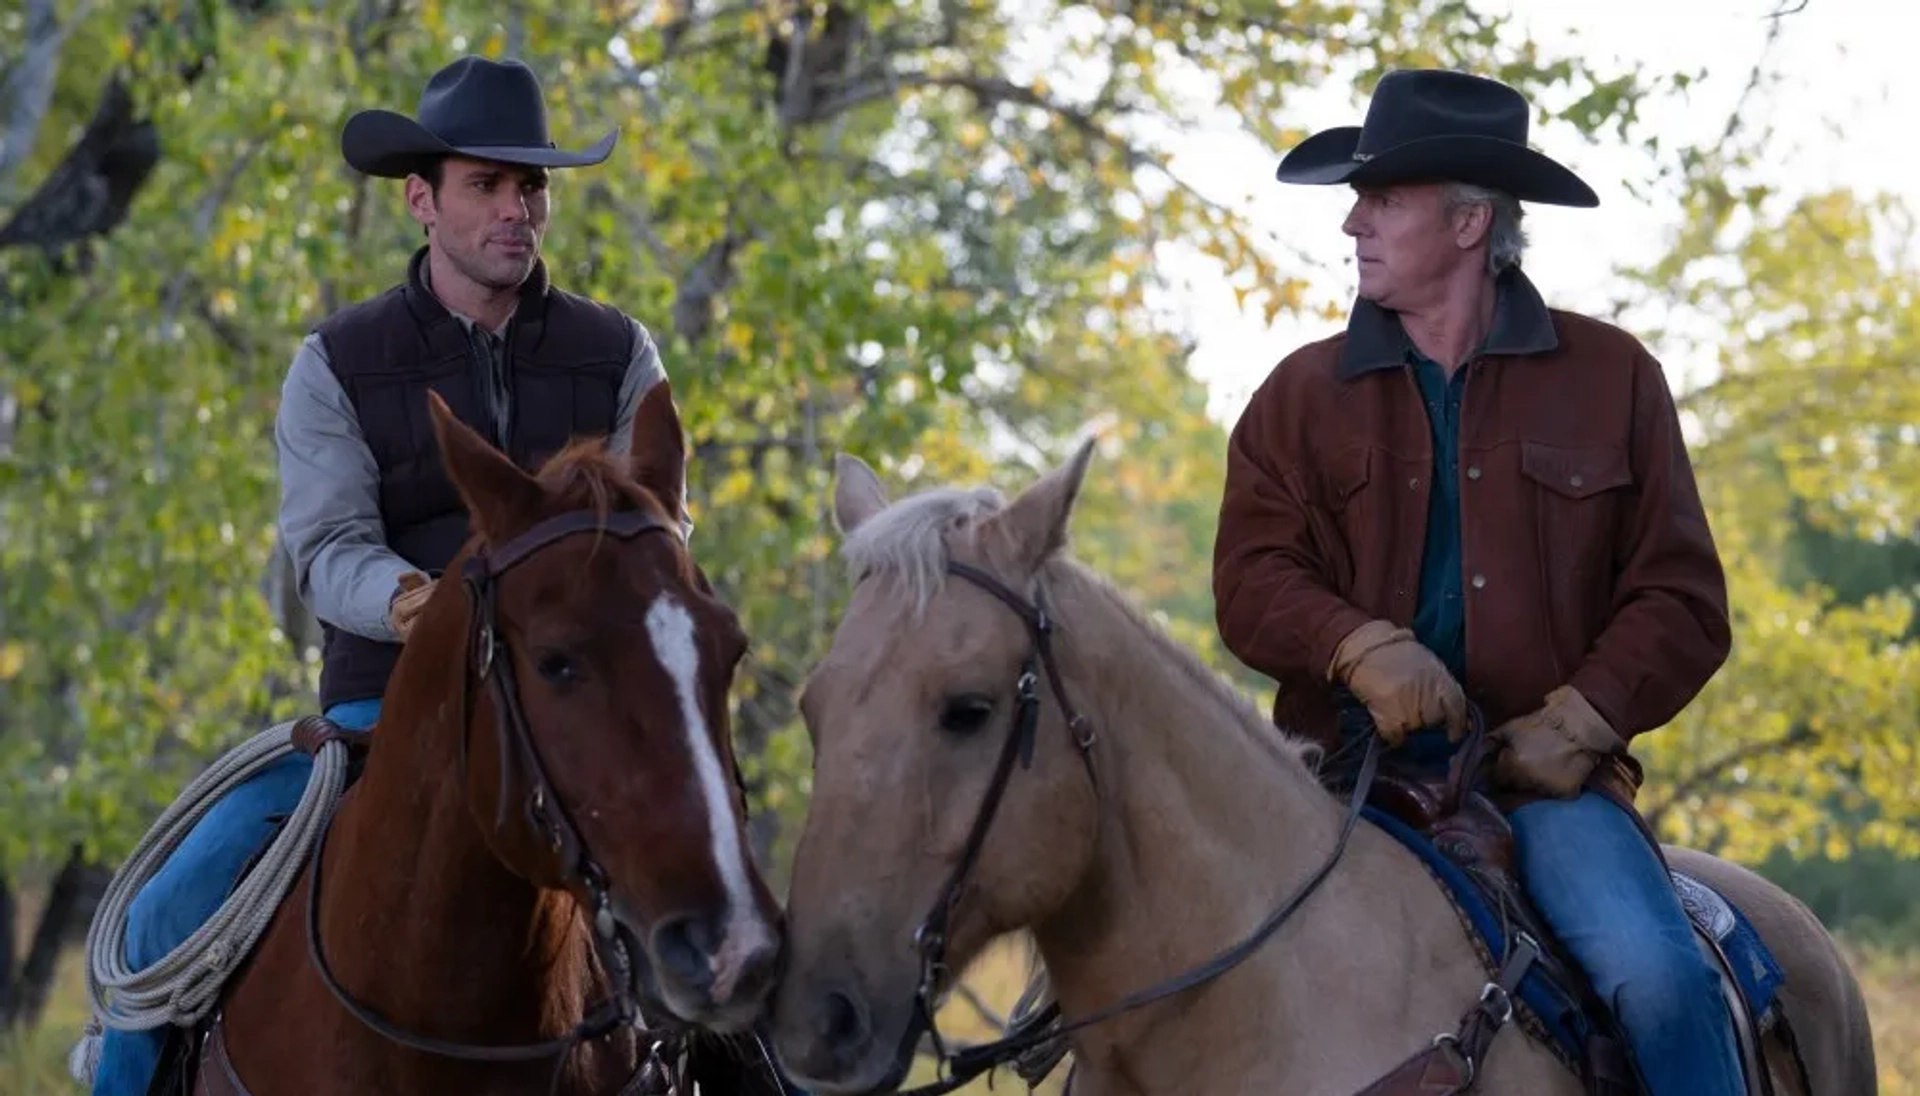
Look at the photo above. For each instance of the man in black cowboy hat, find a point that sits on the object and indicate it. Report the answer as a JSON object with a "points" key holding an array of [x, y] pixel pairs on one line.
{"points": [[367, 514], [1467, 497]]}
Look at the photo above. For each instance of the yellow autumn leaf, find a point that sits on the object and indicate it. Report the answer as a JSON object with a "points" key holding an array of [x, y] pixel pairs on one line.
{"points": [[13, 659]]}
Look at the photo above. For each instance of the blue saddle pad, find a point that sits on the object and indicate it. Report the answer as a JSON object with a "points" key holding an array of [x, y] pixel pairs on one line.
{"points": [[1557, 1006], [1755, 970]]}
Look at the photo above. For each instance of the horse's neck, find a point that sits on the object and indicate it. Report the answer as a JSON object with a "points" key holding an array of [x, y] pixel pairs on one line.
{"points": [[1207, 816], [1210, 820], [424, 926]]}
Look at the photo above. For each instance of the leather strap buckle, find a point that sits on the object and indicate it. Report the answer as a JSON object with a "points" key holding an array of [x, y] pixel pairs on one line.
{"points": [[1449, 1044]]}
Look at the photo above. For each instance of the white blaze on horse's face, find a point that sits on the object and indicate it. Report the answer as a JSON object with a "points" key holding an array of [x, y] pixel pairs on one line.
{"points": [[671, 628]]}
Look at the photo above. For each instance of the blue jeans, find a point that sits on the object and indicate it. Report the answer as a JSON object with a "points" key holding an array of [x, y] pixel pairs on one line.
{"points": [[193, 882], [1589, 869]]}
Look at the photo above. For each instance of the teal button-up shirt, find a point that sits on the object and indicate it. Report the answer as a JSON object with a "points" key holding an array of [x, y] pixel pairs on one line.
{"points": [[1440, 616]]}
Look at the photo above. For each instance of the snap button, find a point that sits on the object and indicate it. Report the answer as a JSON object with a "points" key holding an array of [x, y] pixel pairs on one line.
{"points": [[1577, 479], [1473, 472], [1479, 581]]}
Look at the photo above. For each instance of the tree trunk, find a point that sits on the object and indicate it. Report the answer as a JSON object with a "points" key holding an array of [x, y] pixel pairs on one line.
{"points": [[9, 937], [71, 901]]}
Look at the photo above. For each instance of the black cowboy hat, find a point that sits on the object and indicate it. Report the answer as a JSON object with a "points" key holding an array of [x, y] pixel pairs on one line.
{"points": [[488, 110], [1433, 124]]}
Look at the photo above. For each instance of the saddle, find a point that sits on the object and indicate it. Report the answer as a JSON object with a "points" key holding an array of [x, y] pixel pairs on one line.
{"points": [[1461, 824], [1465, 841]]}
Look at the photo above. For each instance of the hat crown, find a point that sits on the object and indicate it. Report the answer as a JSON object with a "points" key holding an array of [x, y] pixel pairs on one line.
{"points": [[1410, 105], [478, 102]]}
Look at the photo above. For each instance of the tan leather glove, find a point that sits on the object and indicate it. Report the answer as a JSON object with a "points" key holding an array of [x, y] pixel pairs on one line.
{"points": [[407, 602], [1553, 750], [1404, 685]]}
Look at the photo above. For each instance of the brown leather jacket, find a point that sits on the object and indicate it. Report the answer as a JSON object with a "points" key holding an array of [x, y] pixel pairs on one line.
{"points": [[1587, 553]]}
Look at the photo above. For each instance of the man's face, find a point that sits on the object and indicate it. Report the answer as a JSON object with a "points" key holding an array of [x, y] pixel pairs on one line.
{"points": [[1408, 242], [487, 219]]}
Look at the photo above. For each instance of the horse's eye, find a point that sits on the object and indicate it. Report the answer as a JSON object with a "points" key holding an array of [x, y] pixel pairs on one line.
{"points": [[558, 668], [966, 714]]}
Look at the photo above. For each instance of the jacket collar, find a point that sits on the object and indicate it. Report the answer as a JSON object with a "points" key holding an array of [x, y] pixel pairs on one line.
{"points": [[1521, 325]]}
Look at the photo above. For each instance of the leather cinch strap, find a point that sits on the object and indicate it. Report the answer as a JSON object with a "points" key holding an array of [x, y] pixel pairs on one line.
{"points": [[1451, 1065]]}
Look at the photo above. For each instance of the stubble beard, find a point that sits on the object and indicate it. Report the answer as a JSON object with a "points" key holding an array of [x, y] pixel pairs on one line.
{"points": [[497, 273]]}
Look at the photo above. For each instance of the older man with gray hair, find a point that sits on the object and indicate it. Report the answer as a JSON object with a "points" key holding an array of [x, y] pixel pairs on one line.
{"points": [[1467, 497]]}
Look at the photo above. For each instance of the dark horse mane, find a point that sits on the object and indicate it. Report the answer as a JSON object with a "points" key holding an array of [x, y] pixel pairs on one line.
{"points": [[585, 475]]}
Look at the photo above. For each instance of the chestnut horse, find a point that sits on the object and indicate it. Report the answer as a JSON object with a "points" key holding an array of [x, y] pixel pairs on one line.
{"points": [[547, 834], [1003, 743]]}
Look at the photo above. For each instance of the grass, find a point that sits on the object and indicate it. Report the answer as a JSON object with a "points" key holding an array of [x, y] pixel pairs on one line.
{"points": [[1890, 978], [35, 1065]]}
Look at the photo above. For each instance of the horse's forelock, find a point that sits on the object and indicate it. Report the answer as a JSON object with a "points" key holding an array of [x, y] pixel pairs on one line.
{"points": [[905, 544], [584, 475]]}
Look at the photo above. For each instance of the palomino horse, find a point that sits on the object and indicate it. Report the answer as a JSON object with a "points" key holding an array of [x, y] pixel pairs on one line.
{"points": [[1003, 743], [550, 802]]}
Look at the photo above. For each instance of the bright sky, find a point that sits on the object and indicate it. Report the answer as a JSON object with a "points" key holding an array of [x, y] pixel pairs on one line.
{"points": [[1843, 115]]}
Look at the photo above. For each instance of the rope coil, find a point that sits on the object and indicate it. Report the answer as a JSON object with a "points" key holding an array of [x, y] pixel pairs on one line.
{"points": [[183, 987]]}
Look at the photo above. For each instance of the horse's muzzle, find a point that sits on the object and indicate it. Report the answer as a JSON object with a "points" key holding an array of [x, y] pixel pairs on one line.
{"points": [[716, 972]]}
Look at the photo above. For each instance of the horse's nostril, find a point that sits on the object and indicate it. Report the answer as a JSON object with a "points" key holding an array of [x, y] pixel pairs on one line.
{"points": [[685, 946], [842, 1023]]}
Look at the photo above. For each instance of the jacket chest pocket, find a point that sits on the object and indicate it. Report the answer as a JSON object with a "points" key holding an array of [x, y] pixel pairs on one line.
{"points": [[1343, 480], [1344, 519], [1580, 501]]}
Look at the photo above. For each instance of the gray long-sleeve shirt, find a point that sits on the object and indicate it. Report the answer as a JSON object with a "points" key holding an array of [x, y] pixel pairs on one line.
{"points": [[330, 484]]}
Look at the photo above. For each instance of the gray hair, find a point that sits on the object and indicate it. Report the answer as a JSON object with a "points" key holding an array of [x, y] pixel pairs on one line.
{"points": [[1505, 240]]}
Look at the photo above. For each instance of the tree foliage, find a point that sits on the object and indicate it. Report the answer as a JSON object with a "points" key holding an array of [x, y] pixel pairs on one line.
{"points": [[1806, 742]]}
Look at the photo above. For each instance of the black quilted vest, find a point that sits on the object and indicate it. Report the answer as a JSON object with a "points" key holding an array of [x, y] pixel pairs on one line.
{"points": [[565, 357]]}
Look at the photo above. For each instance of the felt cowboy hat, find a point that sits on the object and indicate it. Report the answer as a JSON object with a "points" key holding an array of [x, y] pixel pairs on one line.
{"points": [[488, 110], [1433, 124]]}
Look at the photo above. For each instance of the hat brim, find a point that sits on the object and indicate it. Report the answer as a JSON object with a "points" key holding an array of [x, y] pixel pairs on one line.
{"points": [[393, 146], [1326, 159]]}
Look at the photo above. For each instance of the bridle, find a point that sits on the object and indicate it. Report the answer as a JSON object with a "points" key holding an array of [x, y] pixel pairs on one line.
{"points": [[959, 1068], [489, 660]]}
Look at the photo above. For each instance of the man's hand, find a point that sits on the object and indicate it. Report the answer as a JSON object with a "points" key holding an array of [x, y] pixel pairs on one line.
{"points": [[407, 602], [1404, 686], [1553, 750]]}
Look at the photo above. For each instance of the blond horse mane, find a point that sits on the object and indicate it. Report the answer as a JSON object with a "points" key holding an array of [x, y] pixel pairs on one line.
{"points": [[905, 546]]}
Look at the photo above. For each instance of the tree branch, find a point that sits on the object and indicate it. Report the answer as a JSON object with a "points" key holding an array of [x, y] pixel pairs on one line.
{"points": [[29, 84], [89, 193], [210, 204], [989, 91], [1707, 775]]}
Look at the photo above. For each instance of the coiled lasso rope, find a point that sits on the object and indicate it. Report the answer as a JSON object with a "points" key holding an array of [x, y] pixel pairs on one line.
{"points": [[183, 987]]}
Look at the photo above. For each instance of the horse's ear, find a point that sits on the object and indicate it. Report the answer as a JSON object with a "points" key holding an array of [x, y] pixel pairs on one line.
{"points": [[501, 498], [1034, 525], [857, 494], [658, 458]]}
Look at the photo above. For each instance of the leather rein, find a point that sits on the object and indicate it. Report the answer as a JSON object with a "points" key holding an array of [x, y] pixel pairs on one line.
{"points": [[959, 1068], [489, 660]]}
